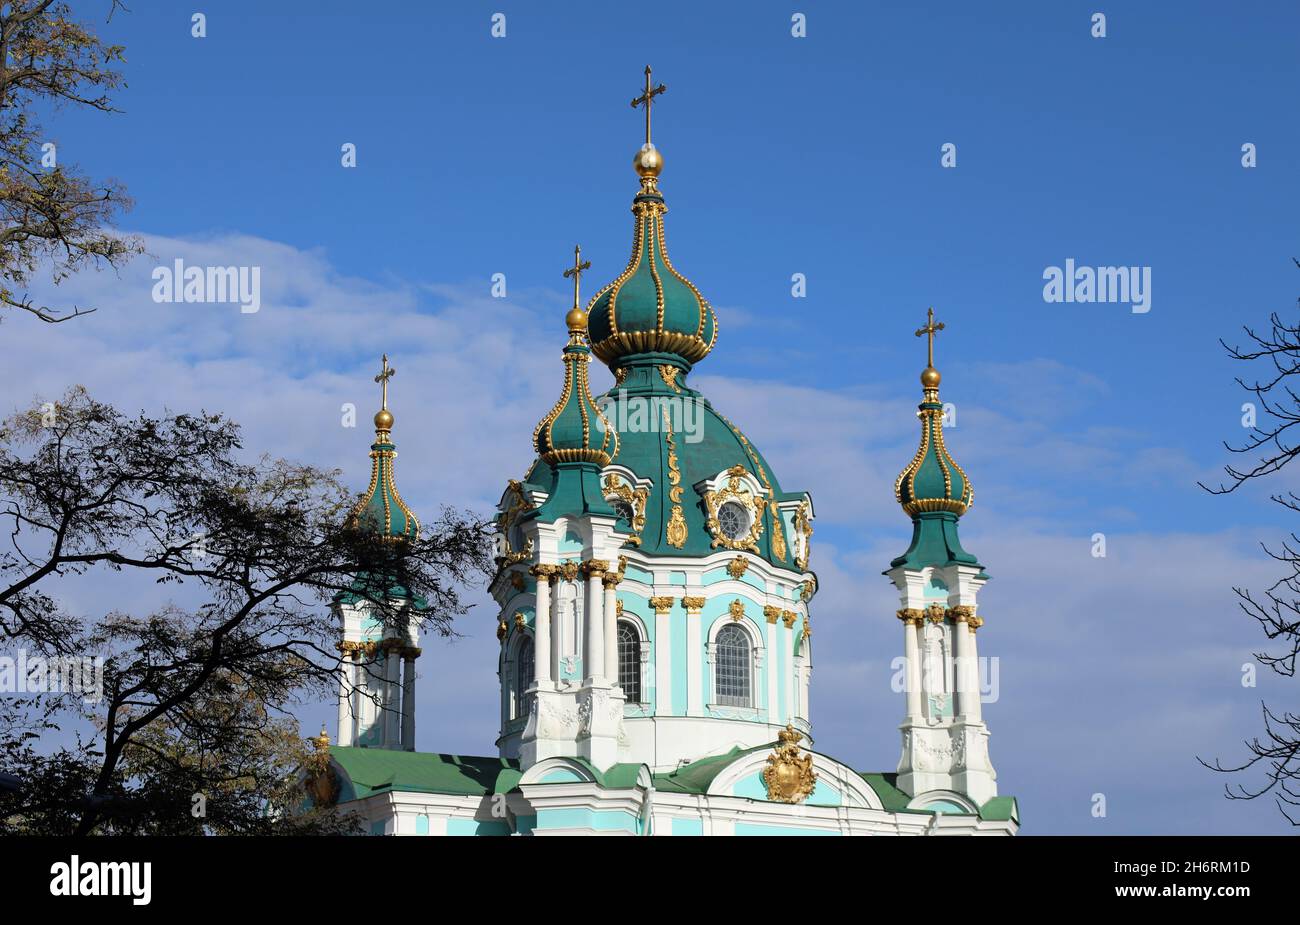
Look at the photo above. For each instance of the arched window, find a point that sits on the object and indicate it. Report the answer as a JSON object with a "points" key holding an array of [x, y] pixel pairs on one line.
{"points": [[629, 661], [523, 674], [731, 682]]}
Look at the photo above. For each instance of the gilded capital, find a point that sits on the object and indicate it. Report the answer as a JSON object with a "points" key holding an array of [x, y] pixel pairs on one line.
{"points": [[543, 572], [911, 616], [961, 613], [693, 605], [974, 622], [594, 568], [612, 579], [772, 613], [788, 617], [662, 604]]}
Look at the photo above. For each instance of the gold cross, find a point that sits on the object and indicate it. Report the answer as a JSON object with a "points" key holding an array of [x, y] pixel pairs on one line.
{"points": [[930, 330], [647, 98], [384, 375], [576, 272]]}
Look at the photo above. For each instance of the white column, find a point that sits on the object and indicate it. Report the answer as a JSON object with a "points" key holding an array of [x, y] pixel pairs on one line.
{"points": [[611, 580], [971, 705], [694, 655], [593, 653], [663, 655], [542, 655], [408, 700], [911, 652], [346, 735], [770, 616], [392, 697]]}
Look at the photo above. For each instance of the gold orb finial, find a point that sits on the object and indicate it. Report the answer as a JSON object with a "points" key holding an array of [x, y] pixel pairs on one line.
{"points": [[576, 319], [384, 419], [930, 378], [649, 161]]}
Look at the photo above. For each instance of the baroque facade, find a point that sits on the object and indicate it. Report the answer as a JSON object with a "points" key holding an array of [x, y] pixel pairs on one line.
{"points": [[655, 595]]}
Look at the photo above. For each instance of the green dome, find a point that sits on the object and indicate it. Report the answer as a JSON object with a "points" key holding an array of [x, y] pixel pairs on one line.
{"points": [[382, 509], [575, 430], [650, 307], [674, 462], [933, 481]]}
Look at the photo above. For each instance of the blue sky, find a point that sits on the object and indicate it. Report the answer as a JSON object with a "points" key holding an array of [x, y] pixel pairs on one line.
{"points": [[818, 156]]}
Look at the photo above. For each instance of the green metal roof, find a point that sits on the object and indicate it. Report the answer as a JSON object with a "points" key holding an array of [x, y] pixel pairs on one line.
{"points": [[382, 770]]}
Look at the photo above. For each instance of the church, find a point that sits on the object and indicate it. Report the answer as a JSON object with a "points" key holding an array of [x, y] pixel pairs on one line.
{"points": [[655, 623]]}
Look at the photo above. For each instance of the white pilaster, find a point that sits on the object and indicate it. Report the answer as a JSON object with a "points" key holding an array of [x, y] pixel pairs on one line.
{"points": [[663, 655], [694, 653], [593, 654], [392, 695], [543, 656], [408, 701]]}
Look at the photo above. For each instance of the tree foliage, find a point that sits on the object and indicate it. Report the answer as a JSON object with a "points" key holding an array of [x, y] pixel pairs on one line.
{"points": [[50, 214], [193, 695], [1270, 447]]}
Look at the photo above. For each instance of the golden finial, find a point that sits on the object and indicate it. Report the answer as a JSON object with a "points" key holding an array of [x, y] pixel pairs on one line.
{"points": [[384, 418], [576, 319], [648, 161], [930, 375]]}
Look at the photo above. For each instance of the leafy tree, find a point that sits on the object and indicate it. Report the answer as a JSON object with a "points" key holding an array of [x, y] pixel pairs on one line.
{"points": [[50, 213], [1271, 445], [193, 698]]}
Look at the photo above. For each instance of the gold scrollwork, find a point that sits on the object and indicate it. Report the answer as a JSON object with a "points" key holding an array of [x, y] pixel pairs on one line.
{"points": [[675, 533], [668, 374], [506, 521], [737, 567], [635, 498]]}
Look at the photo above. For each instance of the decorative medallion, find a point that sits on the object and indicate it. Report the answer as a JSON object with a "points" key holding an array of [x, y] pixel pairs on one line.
{"points": [[738, 492], [502, 629], [737, 610], [737, 567], [789, 775]]}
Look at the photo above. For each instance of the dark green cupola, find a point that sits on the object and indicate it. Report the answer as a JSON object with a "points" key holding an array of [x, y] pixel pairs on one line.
{"points": [[650, 313], [382, 508], [933, 490]]}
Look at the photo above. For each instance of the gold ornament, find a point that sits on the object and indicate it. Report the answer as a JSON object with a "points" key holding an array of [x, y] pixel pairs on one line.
{"points": [[772, 613], [635, 498], [737, 567], [737, 610], [693, 605], [675, 532], [789, 775], [321, 783], [662, 605], [778, 532]]}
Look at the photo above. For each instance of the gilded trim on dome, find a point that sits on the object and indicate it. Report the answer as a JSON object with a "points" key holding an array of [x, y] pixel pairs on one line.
{"points": [[576, 389], [932, 443], [649, 247], [382, 454]]}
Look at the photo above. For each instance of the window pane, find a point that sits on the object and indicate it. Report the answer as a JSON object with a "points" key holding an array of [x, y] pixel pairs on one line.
{"points": [[629, 661], [524, 675], [731, 667]]}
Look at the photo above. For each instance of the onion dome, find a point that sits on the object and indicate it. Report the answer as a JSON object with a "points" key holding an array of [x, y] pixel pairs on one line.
{"points": [[932, 481], [382, 509], [933, 490], [650, 308], [575, 430]]}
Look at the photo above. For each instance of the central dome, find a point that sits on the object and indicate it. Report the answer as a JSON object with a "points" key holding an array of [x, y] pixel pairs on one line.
{"points": [[650, 309]]}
